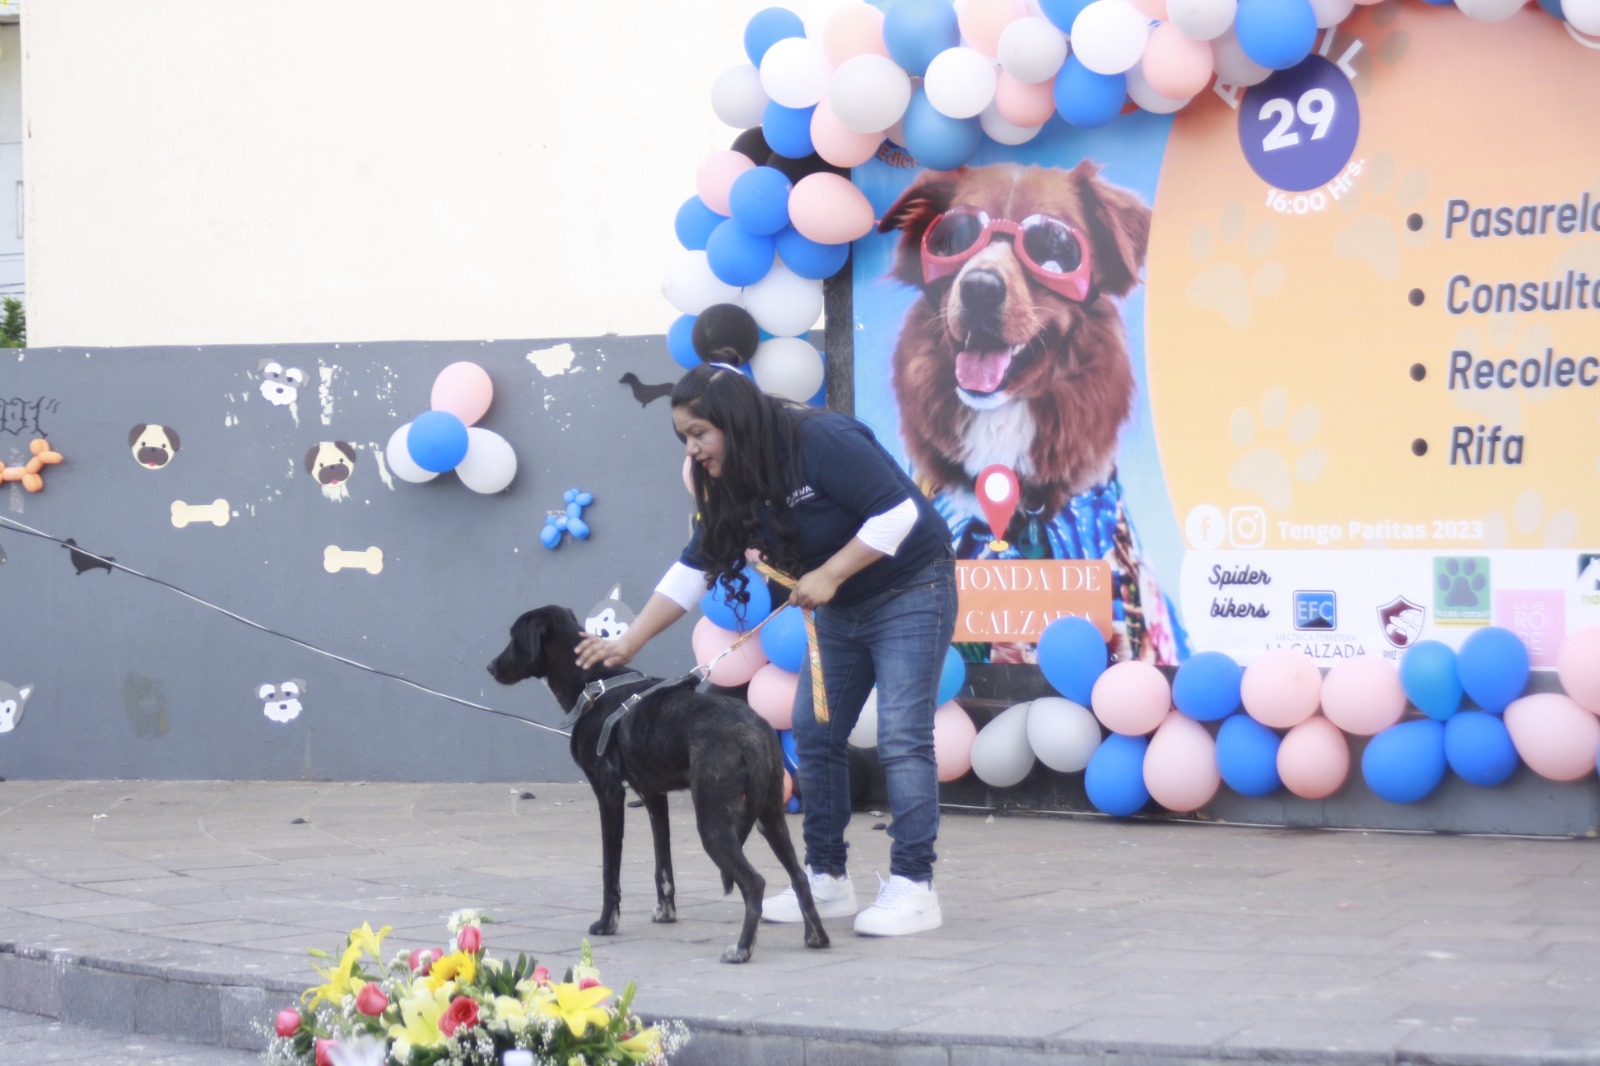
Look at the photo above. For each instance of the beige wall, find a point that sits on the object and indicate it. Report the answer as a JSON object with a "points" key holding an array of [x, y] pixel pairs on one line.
{"points": [[205, 172]]}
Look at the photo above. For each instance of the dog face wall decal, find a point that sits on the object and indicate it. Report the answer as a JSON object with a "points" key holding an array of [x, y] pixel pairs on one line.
{"points": [[153, 446], [280, 385], [610, 618], [332, 462], [281, 703], [12, 700]]}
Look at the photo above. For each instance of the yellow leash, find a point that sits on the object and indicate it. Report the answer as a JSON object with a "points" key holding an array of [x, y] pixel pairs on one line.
{"points": [[819, 692]]}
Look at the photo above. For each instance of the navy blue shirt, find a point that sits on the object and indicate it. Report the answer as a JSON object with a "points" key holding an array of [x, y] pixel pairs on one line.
{"points": [[846, 478]]}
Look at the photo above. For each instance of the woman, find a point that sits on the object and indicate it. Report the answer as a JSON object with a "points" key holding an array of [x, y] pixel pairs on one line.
{"points": [[822, 501]]}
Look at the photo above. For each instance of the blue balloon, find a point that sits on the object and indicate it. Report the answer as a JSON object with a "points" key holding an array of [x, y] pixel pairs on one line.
{"points": [[1087, 99], [1206, 687], [939, 142], [1072, 656], [952, 676], [767, 27], [915, 31], [1247, 755], [1114, 778], [809, 259], [1554, 9], [737, 256], [791, 751], [437, 441], [738, 617], [1428, 674], [1278, 34], [784, 640], [1493, 666], [759, 200], [1478, 748], [1405, 762], [1063, 13], [788, 130], [694, 224], [680, 342]]}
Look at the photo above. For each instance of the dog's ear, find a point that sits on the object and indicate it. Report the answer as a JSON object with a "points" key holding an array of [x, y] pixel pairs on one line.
{"points": [[527, 636], [924, 200], [1119, 225]]}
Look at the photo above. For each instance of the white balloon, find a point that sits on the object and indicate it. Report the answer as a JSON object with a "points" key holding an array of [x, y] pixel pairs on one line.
{"points": [[960, 82], [783, 303], [398, 453], [788, 367], [1002, 131], [489, 464], [1582, 15], [1109, 36], [1332, 12], [1001, 756], [1033, 49], [1490, 10], [865, 734], [794, 72], [869, 93], [1233, 66], [738, 98], [1202, 20], [1139, 92], [691, 287], [1062, 734]]}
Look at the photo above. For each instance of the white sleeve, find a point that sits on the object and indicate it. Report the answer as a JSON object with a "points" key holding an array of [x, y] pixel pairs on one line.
{"points": [[887, 531], [683, 585]]}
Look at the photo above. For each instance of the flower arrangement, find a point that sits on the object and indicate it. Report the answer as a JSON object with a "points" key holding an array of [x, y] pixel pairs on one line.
{"points": [[460, 1007]]}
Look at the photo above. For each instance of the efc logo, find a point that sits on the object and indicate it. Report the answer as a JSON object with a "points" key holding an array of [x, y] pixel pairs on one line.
{"points": [[1316, 610]]}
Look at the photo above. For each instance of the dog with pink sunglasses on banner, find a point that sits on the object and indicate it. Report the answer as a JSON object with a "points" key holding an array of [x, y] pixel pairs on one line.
{"points": [[1016, 354]]}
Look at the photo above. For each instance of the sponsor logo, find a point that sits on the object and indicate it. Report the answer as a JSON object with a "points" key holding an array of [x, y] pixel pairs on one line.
{"points": [[1589, 572], [1247, 526], [1228, 576], [1228, 607], [1401, 621], [1341, 646], [1316, 609], [1537, 616], [1461, 593]]}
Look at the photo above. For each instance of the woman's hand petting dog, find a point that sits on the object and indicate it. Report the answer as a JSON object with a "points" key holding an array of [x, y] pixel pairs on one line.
{"points": [[592, 651]]}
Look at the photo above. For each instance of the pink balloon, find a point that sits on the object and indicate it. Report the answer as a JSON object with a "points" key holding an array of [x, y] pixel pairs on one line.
{"points": [[953, 734], [838, 143], [464, 390], [855, 29], [1180, 766], [1176, 66], [1363, 695], [788, 787], [1281, 688], [688, 475], [829, 209], [772, 695], [982, 21], [1024, 104], [1556, 738], [1578, 667], [1314, 759], [1156, 9], [1131, 698], [715, 178], [709, 640]]}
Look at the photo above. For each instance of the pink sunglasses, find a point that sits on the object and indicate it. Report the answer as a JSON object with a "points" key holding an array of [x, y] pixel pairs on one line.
{"points": [[1051, 250]]}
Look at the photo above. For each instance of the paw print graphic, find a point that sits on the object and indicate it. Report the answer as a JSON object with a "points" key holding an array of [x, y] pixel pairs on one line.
{"points": [[1235, 267], [1386, 217], [1462, 582], [1270, 468], [1530, 526]]}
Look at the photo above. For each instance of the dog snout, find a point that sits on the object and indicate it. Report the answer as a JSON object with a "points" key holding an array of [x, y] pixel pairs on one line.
{"points": [[983, 296]]}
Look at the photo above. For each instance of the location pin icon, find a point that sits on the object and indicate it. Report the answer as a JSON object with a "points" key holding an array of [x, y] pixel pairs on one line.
{"points": [[998, 494]]}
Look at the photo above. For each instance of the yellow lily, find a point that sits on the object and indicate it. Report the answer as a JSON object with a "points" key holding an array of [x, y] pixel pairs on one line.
{"points": [[577, 1007], [644, 1044], [420, 1014], [509, 1009], [368, 941], [339, 981], [458, 966]]}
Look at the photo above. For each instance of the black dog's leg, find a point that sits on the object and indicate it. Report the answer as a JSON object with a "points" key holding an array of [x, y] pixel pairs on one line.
{"points": [[775, 828], [610, 857], [666, 898], [722, 833]]}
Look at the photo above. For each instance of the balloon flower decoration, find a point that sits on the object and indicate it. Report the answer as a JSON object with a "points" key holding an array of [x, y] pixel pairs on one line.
{"points": [[570, 521], [31, 473], [447, 438]]}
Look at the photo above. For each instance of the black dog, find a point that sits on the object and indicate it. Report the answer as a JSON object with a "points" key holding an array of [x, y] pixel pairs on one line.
{"points": [[674, 738]]}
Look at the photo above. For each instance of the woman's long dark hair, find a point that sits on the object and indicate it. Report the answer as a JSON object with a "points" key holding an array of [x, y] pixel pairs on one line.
{"points": [[760, 467]]}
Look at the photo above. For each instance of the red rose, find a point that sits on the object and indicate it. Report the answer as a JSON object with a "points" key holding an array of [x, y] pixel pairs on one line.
{"points": [[371, 1001], [470, 939], [288, 1022], [422, 959], [461, 1014], [588, 982], [323, 1058]]}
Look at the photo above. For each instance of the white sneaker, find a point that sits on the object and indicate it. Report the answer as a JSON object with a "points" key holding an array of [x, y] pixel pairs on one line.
{"points": [[903, 906], [835, 897]]}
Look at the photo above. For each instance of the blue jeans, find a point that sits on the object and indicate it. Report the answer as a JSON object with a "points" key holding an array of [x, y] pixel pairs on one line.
{"points": [[896, 640]]}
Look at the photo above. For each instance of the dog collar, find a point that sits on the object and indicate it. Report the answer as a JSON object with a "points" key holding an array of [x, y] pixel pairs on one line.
{"points": [[596, 689]]}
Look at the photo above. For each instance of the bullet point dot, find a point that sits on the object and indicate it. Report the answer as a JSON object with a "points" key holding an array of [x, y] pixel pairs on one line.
{"points": [[1415, 297], [1418, 371], [1413, 222], [1419, 447]]}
